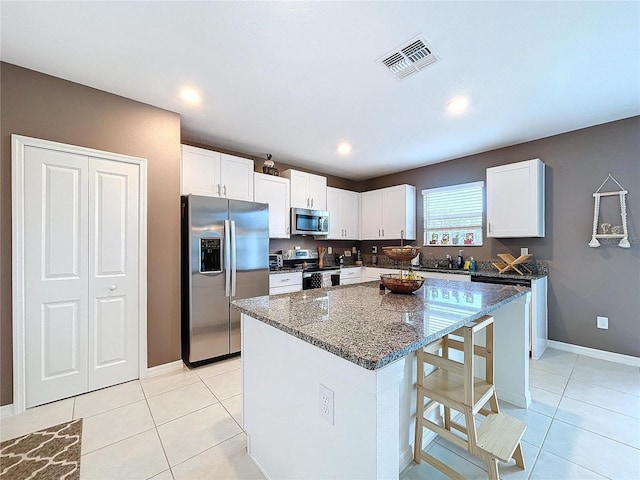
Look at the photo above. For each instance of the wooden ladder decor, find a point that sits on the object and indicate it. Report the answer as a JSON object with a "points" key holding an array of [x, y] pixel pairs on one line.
{"points": [[624, 236], [510, 263]]}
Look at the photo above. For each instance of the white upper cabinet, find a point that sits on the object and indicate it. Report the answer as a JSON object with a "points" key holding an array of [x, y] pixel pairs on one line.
{"points": [[515, 200], [385, 213], [215, 174], [344, 214], [275, 192], [307, 190]]}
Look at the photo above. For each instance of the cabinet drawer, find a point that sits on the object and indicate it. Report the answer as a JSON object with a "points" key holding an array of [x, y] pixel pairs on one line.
{"points": [[350, 274], [277, 280]]}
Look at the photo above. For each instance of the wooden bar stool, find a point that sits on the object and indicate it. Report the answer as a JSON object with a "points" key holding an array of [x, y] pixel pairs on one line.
{"points": [[453, 385]]}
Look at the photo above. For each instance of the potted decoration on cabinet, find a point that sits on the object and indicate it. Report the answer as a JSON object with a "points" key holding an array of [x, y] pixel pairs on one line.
{"points": [[456, 238]]}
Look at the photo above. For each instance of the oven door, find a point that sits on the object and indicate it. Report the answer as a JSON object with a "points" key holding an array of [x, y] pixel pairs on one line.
{"points": [[311, 280]]}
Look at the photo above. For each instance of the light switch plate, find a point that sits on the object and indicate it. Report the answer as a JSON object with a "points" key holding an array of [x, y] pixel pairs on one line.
{"points": [[524, 251]]}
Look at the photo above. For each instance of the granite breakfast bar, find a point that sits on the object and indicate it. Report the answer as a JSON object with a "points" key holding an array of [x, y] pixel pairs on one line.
{"points": [[356, 348]]}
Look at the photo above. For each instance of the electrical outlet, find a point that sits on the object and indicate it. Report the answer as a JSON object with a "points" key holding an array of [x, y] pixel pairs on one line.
{"points": [[329, 250], [602, 322], [325, 404], [374, 249]]}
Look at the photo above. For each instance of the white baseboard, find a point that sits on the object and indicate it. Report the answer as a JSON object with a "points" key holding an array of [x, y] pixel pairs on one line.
{"points": [[6, 410], [592, 352], [406, 456], [165, 368]]}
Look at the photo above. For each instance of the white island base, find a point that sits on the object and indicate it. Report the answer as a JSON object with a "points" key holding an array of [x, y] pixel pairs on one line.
{"points": [[372, 433]]}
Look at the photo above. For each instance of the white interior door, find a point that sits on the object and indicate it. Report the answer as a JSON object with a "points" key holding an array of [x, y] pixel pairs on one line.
{"points": [[81, 254], [56, 277], [113, 272]]}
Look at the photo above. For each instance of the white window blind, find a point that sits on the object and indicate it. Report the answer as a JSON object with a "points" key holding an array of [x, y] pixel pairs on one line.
{"points": [[453, 214]]}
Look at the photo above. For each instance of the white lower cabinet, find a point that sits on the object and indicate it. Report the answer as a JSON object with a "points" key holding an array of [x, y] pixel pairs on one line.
{"points": [[539, 319], [285, 282], [373, 273], [461, 277], [350, 275]]}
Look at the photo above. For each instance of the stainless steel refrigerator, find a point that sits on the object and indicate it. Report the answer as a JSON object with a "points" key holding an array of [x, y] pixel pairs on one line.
{"points": [[225, 256]]}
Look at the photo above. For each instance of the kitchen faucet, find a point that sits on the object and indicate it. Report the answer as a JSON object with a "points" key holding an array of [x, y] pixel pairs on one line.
{"points": [[449, 262]]}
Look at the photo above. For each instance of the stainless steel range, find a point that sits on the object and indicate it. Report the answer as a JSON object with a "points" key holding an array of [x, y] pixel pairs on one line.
{"points": [[313, 276]]}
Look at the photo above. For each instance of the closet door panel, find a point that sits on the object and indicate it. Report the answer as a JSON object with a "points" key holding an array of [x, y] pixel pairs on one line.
{"points": [[113, 272], [56, 274]]}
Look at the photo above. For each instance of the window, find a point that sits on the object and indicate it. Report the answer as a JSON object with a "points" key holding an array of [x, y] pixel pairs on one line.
{"points": [[453, 215]]}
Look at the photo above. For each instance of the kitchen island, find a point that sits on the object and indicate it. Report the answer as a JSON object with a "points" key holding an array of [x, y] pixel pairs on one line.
{"points": [[329, 374]]}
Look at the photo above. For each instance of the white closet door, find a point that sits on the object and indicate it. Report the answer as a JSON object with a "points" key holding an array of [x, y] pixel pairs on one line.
{"points": [[56, 274], [113, 272]]}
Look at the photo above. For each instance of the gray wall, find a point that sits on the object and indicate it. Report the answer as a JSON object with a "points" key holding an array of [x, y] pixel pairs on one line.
{"points": [[583, 282]]}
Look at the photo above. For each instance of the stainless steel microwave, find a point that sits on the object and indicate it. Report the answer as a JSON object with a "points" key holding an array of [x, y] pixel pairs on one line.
{"points": [[309, 222]]}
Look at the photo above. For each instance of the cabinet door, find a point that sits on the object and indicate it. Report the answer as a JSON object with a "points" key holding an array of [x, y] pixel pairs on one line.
{"points": [[349, 214], [393, 212], [318, 192], [236, 177], [300, 189], [515, 200], [371, 215], [336, 230], [200, 172], [275, 192]]}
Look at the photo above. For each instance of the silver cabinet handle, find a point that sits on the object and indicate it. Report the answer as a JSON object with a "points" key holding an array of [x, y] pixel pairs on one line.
{"points": [[112, 287], [285, 280], [312, 203], [224, 191], [218, 189], [383, 232]]}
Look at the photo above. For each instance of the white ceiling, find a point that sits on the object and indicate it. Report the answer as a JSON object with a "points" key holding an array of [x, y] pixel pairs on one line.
{"points": [[295, 79]]}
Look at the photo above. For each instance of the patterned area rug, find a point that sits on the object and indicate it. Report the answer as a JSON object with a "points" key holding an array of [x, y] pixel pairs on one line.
{"points": [[52, 453]]}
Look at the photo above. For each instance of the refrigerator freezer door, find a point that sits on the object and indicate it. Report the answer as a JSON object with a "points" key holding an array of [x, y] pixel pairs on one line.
{"points": [[208, 306], [251, 276]]}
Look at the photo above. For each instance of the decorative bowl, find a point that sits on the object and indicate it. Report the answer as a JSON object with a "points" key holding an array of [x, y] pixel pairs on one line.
{"points": [[401, 254], [400, 285]]}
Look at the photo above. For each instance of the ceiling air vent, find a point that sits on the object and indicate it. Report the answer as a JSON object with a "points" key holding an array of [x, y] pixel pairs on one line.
{"points": [[409, 58]]}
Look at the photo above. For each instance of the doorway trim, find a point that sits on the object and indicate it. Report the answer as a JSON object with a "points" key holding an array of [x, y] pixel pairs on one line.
{"points": [[18, 144]]}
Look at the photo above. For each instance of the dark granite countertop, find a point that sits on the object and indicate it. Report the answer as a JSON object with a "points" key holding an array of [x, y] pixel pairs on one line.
{"points": [[358, 324]]}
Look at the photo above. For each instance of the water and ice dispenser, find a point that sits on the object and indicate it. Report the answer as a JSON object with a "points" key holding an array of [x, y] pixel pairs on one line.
{"points": [[210, 255]]}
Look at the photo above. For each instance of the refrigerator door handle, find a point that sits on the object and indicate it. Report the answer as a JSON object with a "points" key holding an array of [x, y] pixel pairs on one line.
{"points": [[233, 258], [227, 257]]}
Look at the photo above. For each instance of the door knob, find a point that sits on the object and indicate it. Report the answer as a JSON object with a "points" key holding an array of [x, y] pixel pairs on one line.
{"points": [[112, 287]]}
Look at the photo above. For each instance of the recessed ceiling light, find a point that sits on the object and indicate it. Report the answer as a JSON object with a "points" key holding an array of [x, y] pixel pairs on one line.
{"points": [[190, 95], [458, 105], [344, 148]]}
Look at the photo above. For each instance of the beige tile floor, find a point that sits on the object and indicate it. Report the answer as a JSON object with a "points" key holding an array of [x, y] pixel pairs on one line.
{"points": [[584, 422]]}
